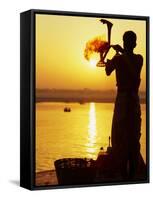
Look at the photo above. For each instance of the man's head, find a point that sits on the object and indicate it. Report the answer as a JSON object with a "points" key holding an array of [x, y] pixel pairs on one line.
{"points": [[129, 41]]}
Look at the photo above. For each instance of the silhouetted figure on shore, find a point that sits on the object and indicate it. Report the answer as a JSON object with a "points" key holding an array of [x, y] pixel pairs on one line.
{"points": [[126, 123]]}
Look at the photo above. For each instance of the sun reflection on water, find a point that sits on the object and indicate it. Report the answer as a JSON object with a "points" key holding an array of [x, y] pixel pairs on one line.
{"points": [[92, 130]]}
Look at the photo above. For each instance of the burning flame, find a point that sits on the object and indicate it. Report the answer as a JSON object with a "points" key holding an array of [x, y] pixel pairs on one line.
{"points": [[95, 45]]}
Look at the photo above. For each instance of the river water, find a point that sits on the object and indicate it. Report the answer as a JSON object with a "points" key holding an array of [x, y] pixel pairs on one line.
{"points": [[79, 133]]}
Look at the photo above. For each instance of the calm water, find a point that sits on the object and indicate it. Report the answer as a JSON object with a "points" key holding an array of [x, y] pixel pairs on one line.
{"points": [[79, 133]]}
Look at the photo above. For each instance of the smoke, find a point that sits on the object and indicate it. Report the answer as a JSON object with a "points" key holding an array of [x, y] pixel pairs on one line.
{"points": [[96, 45]]}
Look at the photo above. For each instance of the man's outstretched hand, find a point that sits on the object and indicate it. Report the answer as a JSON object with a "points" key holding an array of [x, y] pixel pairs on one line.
{"points": [[118, 48]]}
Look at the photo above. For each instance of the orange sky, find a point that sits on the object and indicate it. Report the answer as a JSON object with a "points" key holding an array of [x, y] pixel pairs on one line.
{"points": [[60, 44]]}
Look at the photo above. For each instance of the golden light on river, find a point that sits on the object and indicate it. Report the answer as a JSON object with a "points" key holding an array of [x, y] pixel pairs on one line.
{"points": [[92, 129]]}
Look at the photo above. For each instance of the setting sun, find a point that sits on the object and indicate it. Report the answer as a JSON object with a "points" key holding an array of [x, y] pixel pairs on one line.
{"points": [[93, 63], [94, 59]]}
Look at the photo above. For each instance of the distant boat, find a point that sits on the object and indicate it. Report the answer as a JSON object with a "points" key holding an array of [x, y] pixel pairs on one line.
{"points": [[82, 102], [67, 109]]}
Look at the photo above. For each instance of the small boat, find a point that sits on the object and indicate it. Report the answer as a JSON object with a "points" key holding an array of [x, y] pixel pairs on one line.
{"points": [[82, 102], [67, 109]]}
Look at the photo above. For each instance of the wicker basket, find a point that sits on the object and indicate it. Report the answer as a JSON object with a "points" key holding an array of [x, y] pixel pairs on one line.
{"points": [[75, 170]]}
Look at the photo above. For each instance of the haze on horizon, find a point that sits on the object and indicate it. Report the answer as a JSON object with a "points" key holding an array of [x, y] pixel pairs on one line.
{"points": [[60, 44]]}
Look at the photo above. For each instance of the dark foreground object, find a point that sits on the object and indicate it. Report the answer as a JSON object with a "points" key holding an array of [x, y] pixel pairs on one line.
{"points": [[87, 174], [75, 171]]}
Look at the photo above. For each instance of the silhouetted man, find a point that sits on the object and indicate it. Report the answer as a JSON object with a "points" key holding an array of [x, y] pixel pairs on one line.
{"points": [[126, 122]]}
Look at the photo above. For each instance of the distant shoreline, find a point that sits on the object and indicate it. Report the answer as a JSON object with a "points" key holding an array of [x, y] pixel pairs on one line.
{"points": [[79, 96], [43, 100]]}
